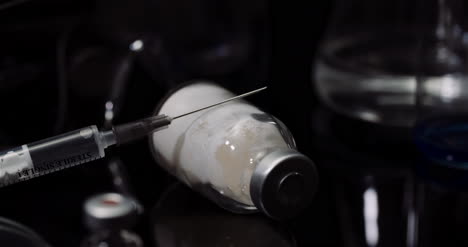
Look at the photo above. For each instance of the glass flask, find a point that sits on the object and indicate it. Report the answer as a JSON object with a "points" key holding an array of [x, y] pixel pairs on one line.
{"points": [[399, 64], [441, 131], [373, 54], [237, 155]]}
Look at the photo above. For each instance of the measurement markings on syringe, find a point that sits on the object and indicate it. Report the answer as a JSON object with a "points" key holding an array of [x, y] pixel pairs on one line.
{"points": [[46, 167]]}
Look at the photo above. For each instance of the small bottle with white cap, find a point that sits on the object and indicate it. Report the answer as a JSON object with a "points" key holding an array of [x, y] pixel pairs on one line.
{"points": [[240, 157], [109, 217]]}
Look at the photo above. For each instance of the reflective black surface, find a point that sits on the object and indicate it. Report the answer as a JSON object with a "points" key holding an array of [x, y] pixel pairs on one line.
{"points": [[385, 192], [15, 234], [184, 218], [372, 179], [62, 61]]}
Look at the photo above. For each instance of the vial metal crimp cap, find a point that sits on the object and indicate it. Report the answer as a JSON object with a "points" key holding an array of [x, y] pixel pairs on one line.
{"points": [[283, 184], [110, 211]]}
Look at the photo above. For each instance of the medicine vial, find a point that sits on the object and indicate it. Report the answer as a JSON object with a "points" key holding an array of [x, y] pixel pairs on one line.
{"points": [[109, 217], [240, 157]]}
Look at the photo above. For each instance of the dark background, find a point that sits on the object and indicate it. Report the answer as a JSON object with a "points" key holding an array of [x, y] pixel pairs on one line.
{"points": [[48, 47], [61, 60]]}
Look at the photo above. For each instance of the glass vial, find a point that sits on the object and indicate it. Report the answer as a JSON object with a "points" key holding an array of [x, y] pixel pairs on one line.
{"points": [[237, 155], [109, 216]]}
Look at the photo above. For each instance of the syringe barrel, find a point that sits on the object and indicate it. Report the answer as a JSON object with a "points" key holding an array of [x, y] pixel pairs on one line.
{"points": [[50, 155]]}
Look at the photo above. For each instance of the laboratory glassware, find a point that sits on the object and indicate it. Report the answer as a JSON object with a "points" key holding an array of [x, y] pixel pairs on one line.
{"points": [[441, 130], [237, 155], [370, 57]]}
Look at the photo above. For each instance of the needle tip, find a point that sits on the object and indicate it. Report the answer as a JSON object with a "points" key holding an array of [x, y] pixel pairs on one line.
{"points": [[222, 102]]}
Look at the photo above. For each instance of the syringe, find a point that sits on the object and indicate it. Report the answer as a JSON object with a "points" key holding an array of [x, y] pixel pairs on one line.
{"points": [[79, 146]]}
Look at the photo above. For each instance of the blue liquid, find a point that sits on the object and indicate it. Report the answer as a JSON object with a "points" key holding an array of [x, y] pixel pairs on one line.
{"points": [[444, 140]]}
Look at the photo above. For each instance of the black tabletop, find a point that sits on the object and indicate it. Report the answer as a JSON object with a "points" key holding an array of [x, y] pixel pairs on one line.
{"points": [[374, 189]]}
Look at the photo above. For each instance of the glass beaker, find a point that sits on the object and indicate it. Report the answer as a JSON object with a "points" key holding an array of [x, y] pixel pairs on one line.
{"points": [[441, 132], [373, 53]]}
